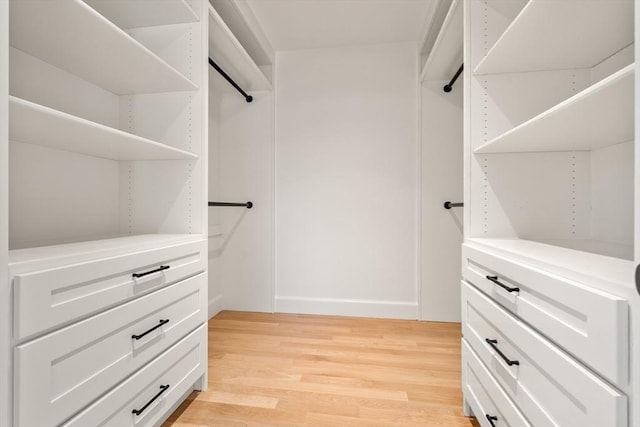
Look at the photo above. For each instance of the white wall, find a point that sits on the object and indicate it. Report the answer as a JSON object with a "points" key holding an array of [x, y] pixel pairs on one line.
{"points": [[240, 170], [346, 181], [441, 229]]}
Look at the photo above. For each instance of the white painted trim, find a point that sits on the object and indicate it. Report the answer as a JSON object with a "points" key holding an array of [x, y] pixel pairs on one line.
{"points": [[348, 307], [5, 293], [419, 137], [215, 305], [466, 77], [274, 212]]}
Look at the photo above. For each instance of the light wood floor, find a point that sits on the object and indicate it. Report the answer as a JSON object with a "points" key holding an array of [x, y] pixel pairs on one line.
{"points": [[303, 370]]}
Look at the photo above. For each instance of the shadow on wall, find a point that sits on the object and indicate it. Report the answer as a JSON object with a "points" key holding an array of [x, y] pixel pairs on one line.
{"points": [[226, 237], [456, 216]]}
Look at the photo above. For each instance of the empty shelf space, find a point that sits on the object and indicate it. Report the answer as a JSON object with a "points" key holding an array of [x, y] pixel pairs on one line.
{"points": [[59, 255], [446, 55], [230, 55], [580, 260], [561, 34], [599, 116], [148, 13], [93, 48], [35, 124]]}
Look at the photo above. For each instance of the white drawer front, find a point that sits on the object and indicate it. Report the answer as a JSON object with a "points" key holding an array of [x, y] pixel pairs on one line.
{"points": [[549, 386], [590, 324], [179, 367], [60, 373], [485, 396], [48, 298]]}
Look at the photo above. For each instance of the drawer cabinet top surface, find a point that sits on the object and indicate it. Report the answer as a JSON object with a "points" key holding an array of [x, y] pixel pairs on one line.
{"points": [[32, 259]]}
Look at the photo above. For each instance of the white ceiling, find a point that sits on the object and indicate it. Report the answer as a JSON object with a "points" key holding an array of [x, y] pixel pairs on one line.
{"points": [[311, 24]]}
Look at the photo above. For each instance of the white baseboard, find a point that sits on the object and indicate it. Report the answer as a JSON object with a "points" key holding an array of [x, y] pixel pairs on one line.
{"points": [[215, 305], [347, 307]]}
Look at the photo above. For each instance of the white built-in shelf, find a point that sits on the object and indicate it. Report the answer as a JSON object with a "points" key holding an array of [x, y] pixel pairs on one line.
{"points": [[144, 13], [230, 55], [58, 255], [574, 259], [561, 34], [446, 55], [74, 37], [36, 124], [599, 116]]}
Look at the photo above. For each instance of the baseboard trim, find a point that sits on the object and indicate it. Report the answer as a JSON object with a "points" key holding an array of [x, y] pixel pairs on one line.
{"points": [[215, 305], [347, 307]]}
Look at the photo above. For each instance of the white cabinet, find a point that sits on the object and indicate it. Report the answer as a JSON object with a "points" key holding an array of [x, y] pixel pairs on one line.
{"points": [[105, 249], [548, 259], [153, 390], [549, 386], [83, 360]]}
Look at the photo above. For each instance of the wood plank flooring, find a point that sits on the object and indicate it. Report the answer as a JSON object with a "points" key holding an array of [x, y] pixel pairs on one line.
{"points": [[304, 370]]}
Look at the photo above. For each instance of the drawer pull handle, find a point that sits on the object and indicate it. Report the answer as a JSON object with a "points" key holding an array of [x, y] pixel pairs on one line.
{"points": [[494, 345], [162, 267], [495, 280], [163, 388], [162, 322], [491, 419]]}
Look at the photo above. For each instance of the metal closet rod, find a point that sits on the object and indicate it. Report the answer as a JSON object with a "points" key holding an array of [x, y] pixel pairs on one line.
{"points": [[447, 88], [247, 98], [449, 205], [248, 205]]}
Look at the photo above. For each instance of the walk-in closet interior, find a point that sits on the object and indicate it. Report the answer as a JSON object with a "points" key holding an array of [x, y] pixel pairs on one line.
{"points": [[466, 164]]}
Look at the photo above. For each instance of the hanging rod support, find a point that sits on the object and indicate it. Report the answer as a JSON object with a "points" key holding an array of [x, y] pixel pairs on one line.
{"points": [[449, 205], [248, 205], [447, 88], [247, 98]]}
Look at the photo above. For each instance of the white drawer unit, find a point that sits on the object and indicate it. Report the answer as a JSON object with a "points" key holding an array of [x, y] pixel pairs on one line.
{"points": [[487, 399], [590, 324], [549, 386], [47, 298], [143, 399], [58, 374]]}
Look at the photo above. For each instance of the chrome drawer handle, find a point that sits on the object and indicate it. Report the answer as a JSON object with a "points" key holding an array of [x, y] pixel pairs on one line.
{"points": [[162, 322], [495, 280], [494, 345], [162, 267], [163, 388], [491, 419]]}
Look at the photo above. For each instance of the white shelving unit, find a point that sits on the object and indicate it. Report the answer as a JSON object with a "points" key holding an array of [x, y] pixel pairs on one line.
{"points": [[549, 193], [35, 124], [93, 48], [107, 203], [599, 116], [148, 13], [230, 55], [545, 34], [446, 55]]}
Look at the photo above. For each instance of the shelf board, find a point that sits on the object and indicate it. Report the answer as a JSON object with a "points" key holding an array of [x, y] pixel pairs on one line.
{"points": [[36, 124], [446, 55], [74, 37], [146, 13], [599, 116], [573, 259], [561, 34], [230, 55], [30, 259]]}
